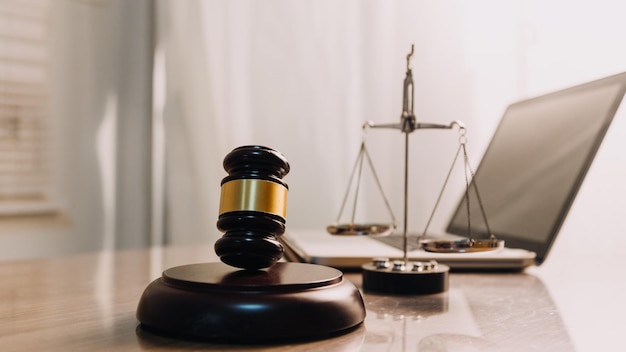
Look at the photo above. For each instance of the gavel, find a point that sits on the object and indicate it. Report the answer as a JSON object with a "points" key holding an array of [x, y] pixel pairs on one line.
{"points": [[253, 205], [213, 300]]}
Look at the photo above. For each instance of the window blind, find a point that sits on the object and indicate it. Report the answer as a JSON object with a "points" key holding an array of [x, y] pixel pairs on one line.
{"points": [[25, 140]]}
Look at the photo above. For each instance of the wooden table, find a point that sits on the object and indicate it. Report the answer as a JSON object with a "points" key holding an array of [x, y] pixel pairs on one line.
{"points": [[87, 302]]}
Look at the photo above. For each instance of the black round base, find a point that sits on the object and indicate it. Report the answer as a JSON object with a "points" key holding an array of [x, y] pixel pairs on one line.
{"points": [[287, 301], [386, 280]]}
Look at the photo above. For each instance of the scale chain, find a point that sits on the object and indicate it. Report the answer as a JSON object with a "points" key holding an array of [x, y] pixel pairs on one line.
{"points": [[469, 181], [363, 152]]}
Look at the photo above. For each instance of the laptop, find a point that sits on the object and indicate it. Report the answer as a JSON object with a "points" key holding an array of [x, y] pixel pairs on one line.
{"points": [[528, 178]]}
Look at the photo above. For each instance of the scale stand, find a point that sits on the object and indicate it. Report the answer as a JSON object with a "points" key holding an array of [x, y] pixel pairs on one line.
{"points": [[403, 276]]}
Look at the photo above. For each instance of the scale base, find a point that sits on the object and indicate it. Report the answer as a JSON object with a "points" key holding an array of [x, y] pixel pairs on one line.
{"points": [[288, 301], [417, 278]]}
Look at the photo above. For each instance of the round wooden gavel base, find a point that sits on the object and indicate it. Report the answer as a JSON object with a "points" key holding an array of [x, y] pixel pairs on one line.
{"points": [[288, 301]]}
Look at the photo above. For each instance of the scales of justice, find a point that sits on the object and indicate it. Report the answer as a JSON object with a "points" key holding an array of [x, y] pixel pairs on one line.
{"points": [[253, 296], [402, 276]]}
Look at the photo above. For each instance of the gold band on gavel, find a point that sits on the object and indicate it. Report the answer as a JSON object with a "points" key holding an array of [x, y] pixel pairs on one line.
{"points": [[254, 195]]}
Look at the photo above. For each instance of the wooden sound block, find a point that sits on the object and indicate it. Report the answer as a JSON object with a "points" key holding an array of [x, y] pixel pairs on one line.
{"points": [[288, 301]]}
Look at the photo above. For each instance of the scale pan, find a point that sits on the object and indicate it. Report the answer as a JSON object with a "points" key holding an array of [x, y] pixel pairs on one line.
{"points": [[376, 230], [461, 246]]}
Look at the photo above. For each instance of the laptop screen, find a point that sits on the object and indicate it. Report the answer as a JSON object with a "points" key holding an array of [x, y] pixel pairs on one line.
{"points": [[536, 162]]}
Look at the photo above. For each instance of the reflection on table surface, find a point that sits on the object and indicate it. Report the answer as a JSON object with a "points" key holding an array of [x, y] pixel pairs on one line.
{"points": [[88, 302], [482, 312]]}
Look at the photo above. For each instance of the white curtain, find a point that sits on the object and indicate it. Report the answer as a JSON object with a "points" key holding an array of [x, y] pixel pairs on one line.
{"points": [[303, 76]]}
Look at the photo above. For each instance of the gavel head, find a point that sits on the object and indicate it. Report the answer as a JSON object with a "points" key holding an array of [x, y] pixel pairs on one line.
{"points": [[253, 206]]}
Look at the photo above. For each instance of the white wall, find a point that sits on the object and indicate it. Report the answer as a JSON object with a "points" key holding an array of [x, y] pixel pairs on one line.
{"points": [[100, 113], [300, 76], [303, 76]]}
